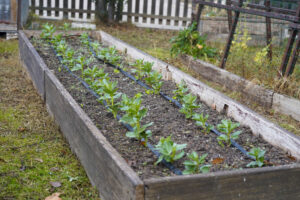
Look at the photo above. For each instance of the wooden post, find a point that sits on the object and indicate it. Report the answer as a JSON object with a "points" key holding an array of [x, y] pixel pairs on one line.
{"points": [[268, 30], [230, 37], [185, 10], [289, 48], [153, 6], [19, 23], [169, 11], [14, 10], [65, 13], [294, 58], [161, 11], [177, 11], [129, 3], [145, 10], [229, 15], [137, 10]]}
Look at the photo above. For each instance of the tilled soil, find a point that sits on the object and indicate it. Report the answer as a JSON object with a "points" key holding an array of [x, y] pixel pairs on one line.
{"points": [[167, 121]]}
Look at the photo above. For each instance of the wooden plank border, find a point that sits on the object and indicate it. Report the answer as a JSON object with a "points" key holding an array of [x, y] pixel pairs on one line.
{"points": [[266, 183], [106, 169], [259, 125]]}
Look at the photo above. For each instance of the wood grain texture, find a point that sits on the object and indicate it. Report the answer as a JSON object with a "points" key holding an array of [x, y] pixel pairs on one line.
{"points": [[35, 66], [270, 132], [269, 183]]}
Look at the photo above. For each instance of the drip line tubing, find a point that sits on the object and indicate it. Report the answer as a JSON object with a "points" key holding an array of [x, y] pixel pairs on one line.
{"points": [[127, 126], [235, 144]]}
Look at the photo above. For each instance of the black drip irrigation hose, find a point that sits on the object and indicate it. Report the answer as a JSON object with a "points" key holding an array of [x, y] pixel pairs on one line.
{"points": [[127, 126], [167, 98]]}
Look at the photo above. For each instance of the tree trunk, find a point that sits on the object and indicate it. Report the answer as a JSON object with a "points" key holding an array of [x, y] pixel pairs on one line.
{"points": [[119, 10], [111, 11], [101, 8]]}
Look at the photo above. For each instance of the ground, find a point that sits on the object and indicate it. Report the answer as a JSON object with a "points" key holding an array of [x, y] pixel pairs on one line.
{"points": [[35, 159]]}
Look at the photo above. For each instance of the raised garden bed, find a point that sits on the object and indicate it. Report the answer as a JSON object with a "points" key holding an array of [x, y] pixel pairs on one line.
{"points": [[123, 169]]}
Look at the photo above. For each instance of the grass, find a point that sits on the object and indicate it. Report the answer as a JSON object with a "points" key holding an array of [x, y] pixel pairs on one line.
{"points": [[33, 152], [156, 43]]}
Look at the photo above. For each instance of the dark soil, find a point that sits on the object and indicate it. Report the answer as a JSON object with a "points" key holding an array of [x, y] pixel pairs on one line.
{"points": [[167, 121]]}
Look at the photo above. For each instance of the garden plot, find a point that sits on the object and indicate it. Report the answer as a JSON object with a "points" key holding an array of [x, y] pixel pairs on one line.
{"points": [[142, 142]]}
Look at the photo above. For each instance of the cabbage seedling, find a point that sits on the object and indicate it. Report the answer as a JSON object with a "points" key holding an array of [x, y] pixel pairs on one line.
{"points": [[181, 91], [201, 121], [47, 31], [193, 165], [169, 150], [259, 156], [227, 127], [154, 79], [141, 68], [188, 105]]}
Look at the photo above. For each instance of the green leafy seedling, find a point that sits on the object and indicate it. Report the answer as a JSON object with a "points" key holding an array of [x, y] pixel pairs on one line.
{"points": [[134, 113], [48, 31], [259, 156], [201, 121], [194, 165], [94, 73], [169, 150], [181, 91], [141, 68], [110, 95], [154, 79], [84, 39], [227, 127], [188, 105]]}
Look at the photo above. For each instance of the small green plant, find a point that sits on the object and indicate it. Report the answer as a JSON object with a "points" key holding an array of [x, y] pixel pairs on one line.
{"points": [[188, 105], [141, 68], [66, 27], [169, 150], [181, 91], [69, 57], [109, 55], [95, 46], [154, 79], [110, 95], [61, 47], [227, 127], [84, 39], [56, 39], [193, 166], [81, 62], [201, 121], [259, 156], [188, 41], [134, 115], [48, 31], [93, 73]]}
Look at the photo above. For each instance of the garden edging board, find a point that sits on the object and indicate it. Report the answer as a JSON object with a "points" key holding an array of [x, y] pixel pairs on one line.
{"points": [[264, 97], [116, 180]]}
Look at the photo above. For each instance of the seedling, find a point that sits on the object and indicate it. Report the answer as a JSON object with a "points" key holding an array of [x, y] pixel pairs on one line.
{"points": [[201, 121], [134, 115], [47, 31], [81, 62], [61, 48], [84, 39], [109, 55], [69, 57], [154, 79], [181, 91], [193, 166], [141, 68], [259, 156], [93, 73], [188, 105], [110, 95], [66, 27], [227, 127], [169, 150]]}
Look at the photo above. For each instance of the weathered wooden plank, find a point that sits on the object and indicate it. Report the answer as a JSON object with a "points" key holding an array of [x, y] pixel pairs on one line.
{"points": [[153, 6], [161, 11], [137, 10], [177, 11], [160, 17], [41, 5], [169, 11], [49, 5], [81, 8], [13, 11], [73, 8], [267, 183], [129, 11], [65, 6], [185, 11], [89, 7], [104, 166], [33, 63], [145, 9], [57, 6], [259, 125]]}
